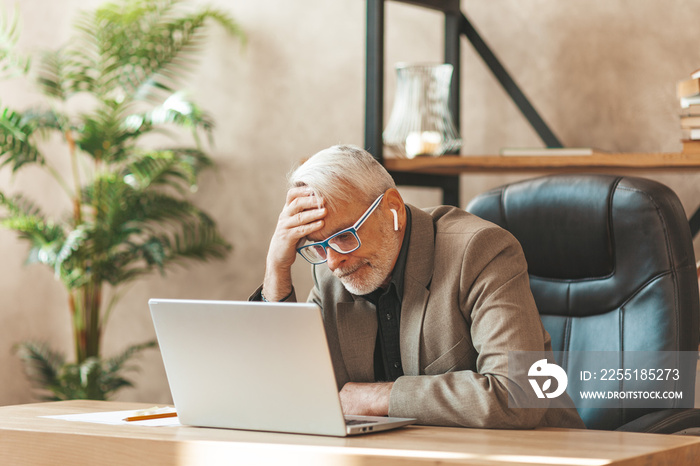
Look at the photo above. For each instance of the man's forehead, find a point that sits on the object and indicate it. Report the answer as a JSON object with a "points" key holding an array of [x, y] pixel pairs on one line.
{"points": [[329, 229], [336, 220]]}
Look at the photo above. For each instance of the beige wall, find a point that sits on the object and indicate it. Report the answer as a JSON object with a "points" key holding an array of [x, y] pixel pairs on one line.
{"points": [[601, 72]]}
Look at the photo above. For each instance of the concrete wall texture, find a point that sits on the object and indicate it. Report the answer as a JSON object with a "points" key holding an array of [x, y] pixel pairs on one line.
{"points": [[602, 73]]}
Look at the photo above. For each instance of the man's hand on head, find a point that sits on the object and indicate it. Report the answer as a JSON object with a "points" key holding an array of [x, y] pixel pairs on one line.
{"points": [[366, 399], [301, 216]]}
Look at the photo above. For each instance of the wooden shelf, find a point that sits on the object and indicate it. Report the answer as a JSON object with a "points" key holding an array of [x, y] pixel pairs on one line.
{"points": [[458, 164]]}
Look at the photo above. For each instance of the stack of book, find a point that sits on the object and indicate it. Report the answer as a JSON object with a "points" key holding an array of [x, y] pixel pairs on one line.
{"points": [[689, 95]]}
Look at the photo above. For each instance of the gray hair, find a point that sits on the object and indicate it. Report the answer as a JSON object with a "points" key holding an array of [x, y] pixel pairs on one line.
{"points": [[343, 173]]}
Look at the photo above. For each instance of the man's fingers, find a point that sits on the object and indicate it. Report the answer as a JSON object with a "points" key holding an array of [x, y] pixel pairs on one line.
{"points": [[304, 203], [291, 219], [294, 232], [300, 232], [308, 216], [298, 192], [302, 215], [307, 228]]}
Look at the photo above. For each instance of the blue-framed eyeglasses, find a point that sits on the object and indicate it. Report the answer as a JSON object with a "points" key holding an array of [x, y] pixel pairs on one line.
{"points": [[344, 242]]}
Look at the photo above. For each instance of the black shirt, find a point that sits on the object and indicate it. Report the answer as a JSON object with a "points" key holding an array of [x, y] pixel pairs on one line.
{"points": [[387, 353]]}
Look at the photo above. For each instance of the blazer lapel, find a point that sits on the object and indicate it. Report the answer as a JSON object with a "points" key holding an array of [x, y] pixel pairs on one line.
{"points": [[417, 277], [357, 334]]}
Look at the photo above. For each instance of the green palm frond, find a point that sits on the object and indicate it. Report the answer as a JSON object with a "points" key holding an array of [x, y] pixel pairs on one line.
{"points": [[114, 64], [19, 205], [199, 240], [181, 111], [55, 75], [18, 134], [109, 134], [16, 147], [155, 209], [124, 267], [24, 217], [90, 372], [188, 237], [79, 381], [12, 63], [75, 241], [43, 120], [176, 168], [121, 210], [138, 228], [50, 243], [115, 364], [193, 238], [105, 136], [110, 378], [110, 385], [41, 364], [111, 199], [92, 379]]}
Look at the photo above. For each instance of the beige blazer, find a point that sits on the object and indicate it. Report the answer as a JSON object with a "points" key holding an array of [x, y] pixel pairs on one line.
{"points": [[466, 304]]}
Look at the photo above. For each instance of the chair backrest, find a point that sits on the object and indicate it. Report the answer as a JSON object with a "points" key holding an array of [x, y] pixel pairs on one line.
{"points": [[611, 267]]}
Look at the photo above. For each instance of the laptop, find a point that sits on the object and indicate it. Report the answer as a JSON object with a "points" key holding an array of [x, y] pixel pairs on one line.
{"points": [[254, 366]]}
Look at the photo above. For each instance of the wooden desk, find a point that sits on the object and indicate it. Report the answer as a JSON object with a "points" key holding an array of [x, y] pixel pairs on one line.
{"points": [[26, 438]]}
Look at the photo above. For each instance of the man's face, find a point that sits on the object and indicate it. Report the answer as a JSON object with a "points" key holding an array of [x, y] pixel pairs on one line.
{"points": [[369, 267]]}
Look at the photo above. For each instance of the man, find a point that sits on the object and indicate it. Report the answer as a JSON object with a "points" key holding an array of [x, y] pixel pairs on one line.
{"points": [[420, 307]]}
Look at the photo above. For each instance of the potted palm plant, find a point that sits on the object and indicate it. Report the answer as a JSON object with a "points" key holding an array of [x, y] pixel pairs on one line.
{"points": [[130, 208]]}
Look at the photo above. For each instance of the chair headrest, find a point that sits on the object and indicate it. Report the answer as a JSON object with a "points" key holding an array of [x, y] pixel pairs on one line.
{"points": [[590, 240], [563, 225]]}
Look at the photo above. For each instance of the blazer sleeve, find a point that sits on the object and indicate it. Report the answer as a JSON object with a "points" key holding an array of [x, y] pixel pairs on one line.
{"points": [[493, 295]]}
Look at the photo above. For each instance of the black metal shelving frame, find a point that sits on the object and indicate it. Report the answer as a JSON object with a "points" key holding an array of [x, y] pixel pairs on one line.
{"points": [[456, 25]]}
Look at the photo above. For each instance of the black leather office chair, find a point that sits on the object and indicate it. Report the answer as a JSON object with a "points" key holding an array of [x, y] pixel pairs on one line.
{"points": [[611, 268]]}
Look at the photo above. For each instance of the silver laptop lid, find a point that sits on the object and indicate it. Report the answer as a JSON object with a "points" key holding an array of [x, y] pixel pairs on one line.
{"points": [[249, 365]]}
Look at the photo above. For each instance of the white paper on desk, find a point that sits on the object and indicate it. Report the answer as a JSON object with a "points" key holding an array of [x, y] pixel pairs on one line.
{"points": [[117, 418]]}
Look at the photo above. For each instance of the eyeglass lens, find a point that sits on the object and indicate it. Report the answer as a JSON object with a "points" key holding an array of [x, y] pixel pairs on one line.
{"points": [[342, 243]]}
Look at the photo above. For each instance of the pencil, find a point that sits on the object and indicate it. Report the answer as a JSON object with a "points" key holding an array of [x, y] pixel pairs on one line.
{"points": [[146, 417]]}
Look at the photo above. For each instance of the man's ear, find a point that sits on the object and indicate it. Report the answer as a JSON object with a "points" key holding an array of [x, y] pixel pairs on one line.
{"points": [[394, 202]]}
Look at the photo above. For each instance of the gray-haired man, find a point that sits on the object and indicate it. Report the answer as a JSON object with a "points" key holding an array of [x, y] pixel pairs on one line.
{"points": [[420, 307]]}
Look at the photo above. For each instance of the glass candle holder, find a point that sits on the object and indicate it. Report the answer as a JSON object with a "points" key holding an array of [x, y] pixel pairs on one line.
{"points": [[420, 121]]}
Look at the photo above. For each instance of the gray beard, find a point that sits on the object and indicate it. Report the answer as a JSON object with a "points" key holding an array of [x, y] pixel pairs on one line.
{"points": [[379, 268]]}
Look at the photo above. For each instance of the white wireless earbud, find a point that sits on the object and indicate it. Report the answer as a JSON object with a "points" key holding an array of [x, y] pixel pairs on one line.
{"points": [[396, 219]]}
